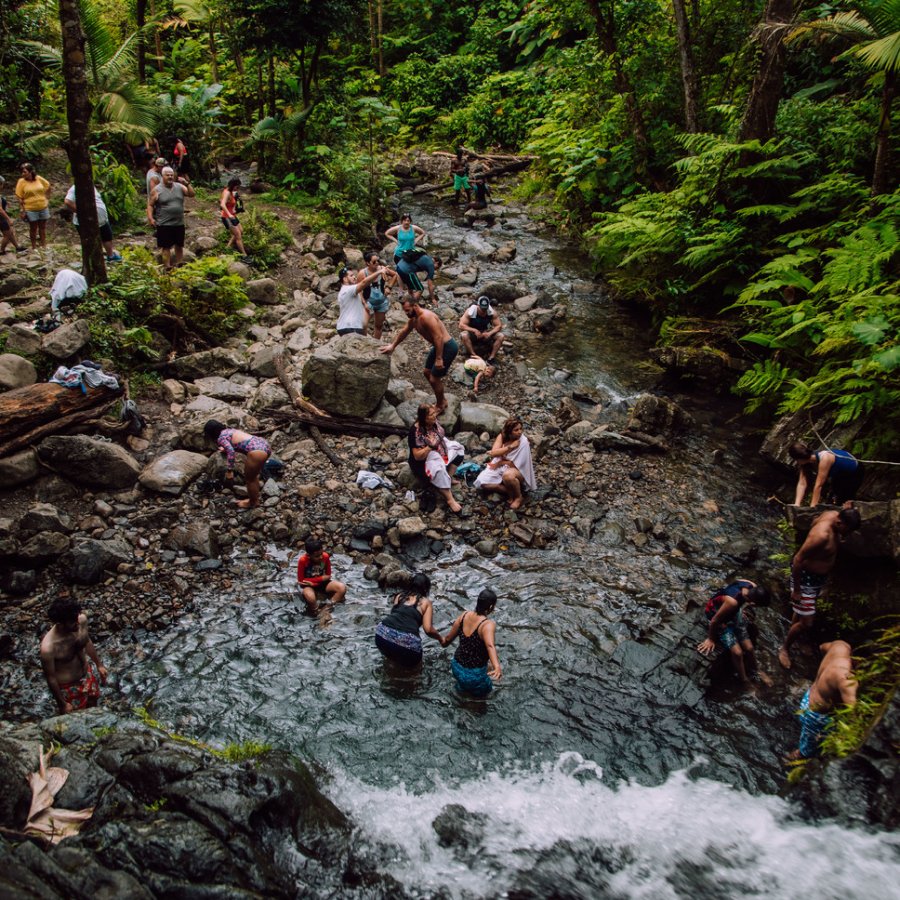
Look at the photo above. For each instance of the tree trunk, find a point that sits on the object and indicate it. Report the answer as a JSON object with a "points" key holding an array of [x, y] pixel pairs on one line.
{"points": [[260, 95], [273, 110], [156, 38], [883, 141], [373, 39], [213, 54], [78, 114], [605, 24], [381, 38], [688, 70], [140, 18], [308, 75], [246, 99], [765, 94]]}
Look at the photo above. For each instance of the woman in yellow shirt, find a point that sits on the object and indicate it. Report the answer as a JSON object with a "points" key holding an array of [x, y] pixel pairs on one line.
{"points": [[33, 191]]}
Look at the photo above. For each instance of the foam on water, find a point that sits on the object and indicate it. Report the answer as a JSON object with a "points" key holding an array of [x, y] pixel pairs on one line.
{"points": [[562, 829]]}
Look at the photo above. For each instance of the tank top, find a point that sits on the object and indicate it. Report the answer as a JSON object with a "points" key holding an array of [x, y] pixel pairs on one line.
{"points": [[404, 617], [375, 290], [230, 205], [170, 205], [733, 590], [844, 462], [406, 240], [471, 652]]}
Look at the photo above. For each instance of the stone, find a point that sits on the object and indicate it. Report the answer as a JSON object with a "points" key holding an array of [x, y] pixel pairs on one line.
{"points": [[14, 283], [398, 390], [89, 462], [205, 243], [174, 391], [325, 245], [526, 303], [579, 431], [43, 517], [172, 473], [262, 291], [16, 372], [198, 537], [656, 415], [15, 789], [218, 361], [480, 417], [223, 388], [504, 253], [347, 376], [612, 440], [385, 414], [242, 270], [487, 547], [353, 258], [269, 393], [503, 291], [262, 363], [43, 547], [7, 314], [22, 338], [300, 340], [610, 534], [411, 527], [455, 826], [89, 559], [20, 468], [64, 342], [21, 582]]}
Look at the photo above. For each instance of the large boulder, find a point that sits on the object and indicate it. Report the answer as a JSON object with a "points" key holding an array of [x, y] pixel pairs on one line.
{"points": [[269, 393], [503, 291], [262, 364], [262, 291], [172, 473], [43, 547], [197, 537], [480, 417], [89, 559], [804, 426], [15, 791], [218, 361], [22, 338], [657, 415], [20, 468], [347, 376], [64, 342], [223, 388], [325, 245], [16, 372], [14, 283], [43, 517], [85, 461]]}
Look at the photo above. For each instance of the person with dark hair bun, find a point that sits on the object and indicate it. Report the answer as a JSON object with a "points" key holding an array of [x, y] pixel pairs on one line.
{"points": [[256, 450], [475, 664], [376, 293], [65, 650], [397, 635]]}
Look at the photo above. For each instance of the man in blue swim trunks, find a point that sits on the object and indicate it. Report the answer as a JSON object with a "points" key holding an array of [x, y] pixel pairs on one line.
{"points": [[443, 347]]}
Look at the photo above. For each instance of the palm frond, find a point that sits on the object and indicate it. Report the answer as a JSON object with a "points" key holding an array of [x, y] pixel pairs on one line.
{"points": [[882, 55]]}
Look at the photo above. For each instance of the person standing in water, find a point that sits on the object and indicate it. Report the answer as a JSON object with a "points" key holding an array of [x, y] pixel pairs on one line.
{"points": [[475, 664], [256, 449], [397, 635], [459, 169]]}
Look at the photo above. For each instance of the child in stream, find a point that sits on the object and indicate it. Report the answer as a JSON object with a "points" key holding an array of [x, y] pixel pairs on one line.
{"points": [[476, 648], [314, 577]]}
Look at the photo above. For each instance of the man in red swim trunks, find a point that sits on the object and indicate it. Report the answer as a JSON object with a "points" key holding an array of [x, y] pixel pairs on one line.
{"points": [[65, 650]]}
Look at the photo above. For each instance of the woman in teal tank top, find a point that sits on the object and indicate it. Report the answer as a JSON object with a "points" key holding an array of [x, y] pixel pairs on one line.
{"points": [[405, 234]]}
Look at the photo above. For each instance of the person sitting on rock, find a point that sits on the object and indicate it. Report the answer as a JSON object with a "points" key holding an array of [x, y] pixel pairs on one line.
{"points": [[314, 577], [834, 685], [478, 369], [482, 192], [480, 330], [354, 316], [397, 635], [433, 454], [510, 471], [837, 467], [65, 651], [728, 629], [256, 450]]}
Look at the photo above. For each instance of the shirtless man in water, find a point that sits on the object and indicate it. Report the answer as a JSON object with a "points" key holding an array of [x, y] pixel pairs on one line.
{"points": [[810, 568], [65, 649], [834, 686], [443, 347]]}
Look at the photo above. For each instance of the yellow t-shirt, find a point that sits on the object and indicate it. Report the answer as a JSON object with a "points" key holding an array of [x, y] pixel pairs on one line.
{"points": [[33, 194]]}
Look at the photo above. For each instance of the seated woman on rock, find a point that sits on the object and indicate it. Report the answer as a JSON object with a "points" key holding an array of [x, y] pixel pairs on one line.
{"points": [[510, 471], [397, 635], [476, 648], [433, 456], [257, 450]]}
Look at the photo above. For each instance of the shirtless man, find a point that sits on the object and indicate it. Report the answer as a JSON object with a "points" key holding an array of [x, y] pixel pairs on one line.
{"points": [[810, 568], [834, 686], [65, 649], [443, 347]]}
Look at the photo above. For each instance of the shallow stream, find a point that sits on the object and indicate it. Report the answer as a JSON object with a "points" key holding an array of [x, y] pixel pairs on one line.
{"points": [[594, 781]]}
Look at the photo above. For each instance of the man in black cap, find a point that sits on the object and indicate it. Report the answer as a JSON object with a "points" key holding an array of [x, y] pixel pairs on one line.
{"points": [[479, 330]]}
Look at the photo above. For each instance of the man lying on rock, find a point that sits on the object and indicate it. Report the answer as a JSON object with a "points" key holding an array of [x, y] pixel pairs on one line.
{"points": [[65, 649]]}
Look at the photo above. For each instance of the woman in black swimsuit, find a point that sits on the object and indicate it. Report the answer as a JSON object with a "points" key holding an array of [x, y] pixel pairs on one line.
{"points": [[476, 648], [397, 635]]}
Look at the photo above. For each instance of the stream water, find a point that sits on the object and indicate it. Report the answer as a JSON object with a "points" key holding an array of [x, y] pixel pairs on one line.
{"points": [[594, 781]]}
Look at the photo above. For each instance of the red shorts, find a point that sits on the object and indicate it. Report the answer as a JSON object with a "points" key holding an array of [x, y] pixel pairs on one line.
{"points": [[82, 694]]}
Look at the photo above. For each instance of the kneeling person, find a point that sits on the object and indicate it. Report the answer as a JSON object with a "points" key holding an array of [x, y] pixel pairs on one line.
{"points": [[480, 330], [314, 577]]}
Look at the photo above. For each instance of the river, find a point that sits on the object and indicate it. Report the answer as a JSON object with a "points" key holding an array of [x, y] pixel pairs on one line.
{"points": [[595, 777]]}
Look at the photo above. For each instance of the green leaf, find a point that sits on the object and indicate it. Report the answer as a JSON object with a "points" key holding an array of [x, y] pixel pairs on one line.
{"points": [[871, 331]]}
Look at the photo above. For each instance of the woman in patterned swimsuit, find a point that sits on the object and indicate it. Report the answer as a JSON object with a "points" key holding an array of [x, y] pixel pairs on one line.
{"points": [[476, 648], [256, 449], [397, 635]]}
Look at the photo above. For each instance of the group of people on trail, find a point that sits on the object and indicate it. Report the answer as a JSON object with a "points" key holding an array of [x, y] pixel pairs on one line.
{"points": [[729, 611], [460, 169]]}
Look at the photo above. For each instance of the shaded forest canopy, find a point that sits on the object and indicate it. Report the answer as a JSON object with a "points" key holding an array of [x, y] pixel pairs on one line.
{"points": [[717, 159]]}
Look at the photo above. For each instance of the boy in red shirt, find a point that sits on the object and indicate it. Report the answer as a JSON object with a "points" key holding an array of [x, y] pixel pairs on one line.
{"points": [[314, 577]]}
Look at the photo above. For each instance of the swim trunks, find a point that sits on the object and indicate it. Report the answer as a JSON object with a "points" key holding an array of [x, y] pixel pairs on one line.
{"points": [[473, 681], [84, 693], [813, 726], [451, 348], [461, 183], [734, 632], [811, 585]]}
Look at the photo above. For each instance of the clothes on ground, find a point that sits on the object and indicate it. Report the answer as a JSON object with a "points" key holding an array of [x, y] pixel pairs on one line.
{"points": [[451, 348], [84, 693], [353, 311], [169, 206], [475, 681], [102, 213], [68, 285], [398, 645], [846, 475], [811, 585], [226, 443], [813, 726], [520, 458], [319, 573], [84, 376], [371, 480], [468, 472], [33, 194]]}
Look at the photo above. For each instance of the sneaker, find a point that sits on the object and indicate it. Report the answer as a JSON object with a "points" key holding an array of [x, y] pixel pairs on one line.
{"points": [[114, 257], [21, 249]]}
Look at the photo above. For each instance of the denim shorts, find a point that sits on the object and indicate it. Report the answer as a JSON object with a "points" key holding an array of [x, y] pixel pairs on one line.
{"points": [[38, 215]]}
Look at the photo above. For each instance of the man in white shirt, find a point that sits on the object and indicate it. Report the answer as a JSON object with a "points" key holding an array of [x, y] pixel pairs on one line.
{"points": [[480, 330], [106, 235]]}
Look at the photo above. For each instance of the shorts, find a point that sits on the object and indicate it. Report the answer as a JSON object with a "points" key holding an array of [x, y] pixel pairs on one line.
{"points": [[400, 646], [169, 236], [38, 215], [811, 585], [343, 331], [379, 303], [230, 223], [4, 225], [106, 234], [473, 681], [845, 485], [451, 348], [461, 183], [409, 271], [734, 632], [813, 726]]}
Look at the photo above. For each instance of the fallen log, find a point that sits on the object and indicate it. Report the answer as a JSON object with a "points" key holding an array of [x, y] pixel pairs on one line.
{"points": [[491, 173], [94, 414], [297, 400], [337, 424], [27, 409]]}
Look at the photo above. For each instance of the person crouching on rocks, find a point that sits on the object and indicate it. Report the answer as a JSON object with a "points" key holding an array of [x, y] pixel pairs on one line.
{"points": [[256, 449], [431, 452]]}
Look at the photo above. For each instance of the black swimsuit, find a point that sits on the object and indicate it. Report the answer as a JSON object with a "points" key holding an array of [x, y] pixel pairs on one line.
{"points": [[471, 652]]}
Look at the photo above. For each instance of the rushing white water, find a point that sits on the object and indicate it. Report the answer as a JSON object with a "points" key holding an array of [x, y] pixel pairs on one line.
{"points": [[562, 831]]}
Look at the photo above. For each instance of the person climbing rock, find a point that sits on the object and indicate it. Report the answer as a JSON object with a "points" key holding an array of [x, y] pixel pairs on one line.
{"points": [[837, 469]]}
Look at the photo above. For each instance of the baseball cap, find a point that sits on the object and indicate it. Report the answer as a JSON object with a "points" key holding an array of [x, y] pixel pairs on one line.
{"points": [[484, 302], [161, 161]]}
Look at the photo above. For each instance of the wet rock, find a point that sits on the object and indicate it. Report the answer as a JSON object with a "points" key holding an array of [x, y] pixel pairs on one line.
{"points": [[612, 440], [16, 372], [219, 361], [706, 363], [172, 473], [262, 291], [89, 462], [487, 547], [658, 416], [610, 534], [411, 527], [480, 417], [568, 413], [526, 303], [43, 517], [198, 537], [20, 581], [15, 792], [223, 388], [64, 342], [20, 468], [579, 431], [504, 253], [503, 291], [347, 376], [89, 559], [455, 826], [22, 338]]}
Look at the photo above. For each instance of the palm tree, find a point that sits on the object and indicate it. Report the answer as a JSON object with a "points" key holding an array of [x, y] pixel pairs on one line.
{"points": [[873, 27]]}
